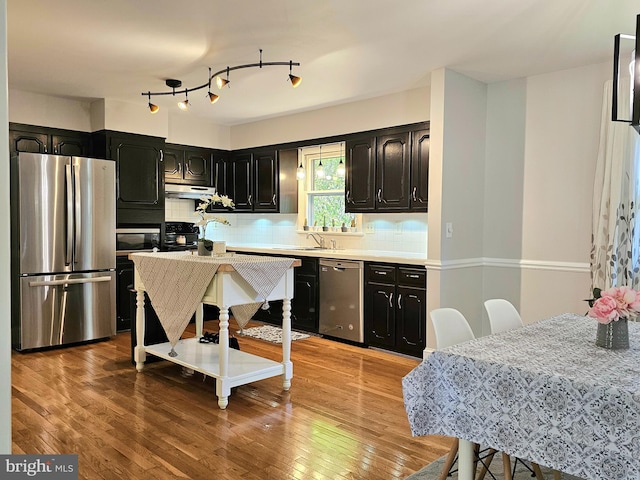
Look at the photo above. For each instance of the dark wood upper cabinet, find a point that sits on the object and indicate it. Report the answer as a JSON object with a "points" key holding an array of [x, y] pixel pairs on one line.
{"points": [[139, 175], [241, 181], [392, 172], [34, 139], [187, 165], [265, 168], [75, 144], [388, 172], [360, 174], [419, 170]]}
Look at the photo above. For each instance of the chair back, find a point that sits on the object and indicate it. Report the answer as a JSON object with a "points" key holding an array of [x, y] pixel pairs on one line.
{"points": [[503, 315], [450, 327]]}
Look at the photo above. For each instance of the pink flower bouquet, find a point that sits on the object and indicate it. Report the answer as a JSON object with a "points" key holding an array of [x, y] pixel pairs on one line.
{"points": [[616, 303]]}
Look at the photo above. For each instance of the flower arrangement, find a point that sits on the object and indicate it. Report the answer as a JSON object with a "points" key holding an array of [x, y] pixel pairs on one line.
{"points": [[205, 219], [614, 304]]}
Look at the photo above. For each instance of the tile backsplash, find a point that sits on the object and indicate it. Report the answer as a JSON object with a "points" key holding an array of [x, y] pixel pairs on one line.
{"points": [[396, 232]]}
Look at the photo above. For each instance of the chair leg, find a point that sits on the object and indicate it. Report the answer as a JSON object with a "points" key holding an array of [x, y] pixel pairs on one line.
{"points": [[557, 475], [506, 466], [486, 463], [537, 471], [451, 457]]}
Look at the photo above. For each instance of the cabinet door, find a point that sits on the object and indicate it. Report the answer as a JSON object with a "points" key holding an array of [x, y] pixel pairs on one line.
{"points": [[22, 141], [380, 315], [266, 181], [197, 166], [241, 181], [173, 162], [392, 172], [124, 279], [419, 170], [411, 321], [78, 145], [139, 178], [360, 175]]}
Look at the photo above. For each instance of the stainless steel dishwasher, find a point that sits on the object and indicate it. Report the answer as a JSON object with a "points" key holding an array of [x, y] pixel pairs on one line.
{"points": [[341, 299]]}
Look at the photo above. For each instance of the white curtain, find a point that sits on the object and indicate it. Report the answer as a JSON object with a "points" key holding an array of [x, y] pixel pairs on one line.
{"points": [[615, 246]]}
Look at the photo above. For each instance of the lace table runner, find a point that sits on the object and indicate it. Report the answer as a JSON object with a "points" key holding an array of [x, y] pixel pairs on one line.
{"points": [[177, 281]]}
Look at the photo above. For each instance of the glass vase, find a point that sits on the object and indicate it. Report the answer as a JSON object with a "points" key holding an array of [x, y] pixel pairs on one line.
{"points": [[205, 248], [613, 335]]}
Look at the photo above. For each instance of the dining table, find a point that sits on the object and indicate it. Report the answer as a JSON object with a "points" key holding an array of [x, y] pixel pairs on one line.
{"points": [[544, 392]]}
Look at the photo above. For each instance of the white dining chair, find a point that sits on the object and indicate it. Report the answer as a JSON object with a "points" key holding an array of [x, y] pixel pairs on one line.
{"points": [[503, 315]]}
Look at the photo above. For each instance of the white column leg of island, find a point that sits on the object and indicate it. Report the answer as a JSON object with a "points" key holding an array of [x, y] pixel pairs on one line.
{"points": [[139, 353], [199, 320], [465, 460], [286, 344], [223, 389]]}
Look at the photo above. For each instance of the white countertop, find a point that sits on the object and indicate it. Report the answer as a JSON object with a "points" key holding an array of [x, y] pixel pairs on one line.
{"points": [[409, 258]]}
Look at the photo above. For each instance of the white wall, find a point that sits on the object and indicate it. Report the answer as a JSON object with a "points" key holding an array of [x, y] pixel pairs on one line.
{"points": [[562, 133], [5, 267], [456, 195], [46, 111], [397, 109]]}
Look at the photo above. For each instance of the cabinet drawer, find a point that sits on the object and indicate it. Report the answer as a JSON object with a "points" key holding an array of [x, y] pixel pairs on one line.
{"points": [[381, 273], [412, 277]]}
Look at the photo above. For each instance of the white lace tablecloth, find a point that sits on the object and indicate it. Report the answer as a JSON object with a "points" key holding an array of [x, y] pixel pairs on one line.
{"points": [[177, 281], [544, 393]]}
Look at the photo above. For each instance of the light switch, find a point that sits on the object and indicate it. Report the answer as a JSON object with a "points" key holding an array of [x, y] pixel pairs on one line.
{"points": [[449, 230]]}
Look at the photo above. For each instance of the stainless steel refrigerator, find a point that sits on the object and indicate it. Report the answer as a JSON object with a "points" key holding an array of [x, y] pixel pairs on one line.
{"points": [[63, 250]]}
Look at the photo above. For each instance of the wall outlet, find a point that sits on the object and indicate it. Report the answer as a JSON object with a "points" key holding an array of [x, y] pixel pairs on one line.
{"points": [[397, 228], [449, 230], [369, 228]]}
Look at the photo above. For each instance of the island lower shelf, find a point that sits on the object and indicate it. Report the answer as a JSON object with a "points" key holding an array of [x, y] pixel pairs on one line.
{"points": [[204, 358]]}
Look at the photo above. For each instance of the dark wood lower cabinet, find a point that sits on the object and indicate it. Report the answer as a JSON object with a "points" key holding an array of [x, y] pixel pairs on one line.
{"points": [[395, 308], [304, 306]]}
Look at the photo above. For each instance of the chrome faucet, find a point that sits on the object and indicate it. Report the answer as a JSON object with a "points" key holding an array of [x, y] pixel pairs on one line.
{"points": [[319, 239]]}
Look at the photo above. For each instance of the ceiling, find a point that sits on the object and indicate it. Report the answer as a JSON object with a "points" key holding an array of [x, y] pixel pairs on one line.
{"points": [[348, 49]]}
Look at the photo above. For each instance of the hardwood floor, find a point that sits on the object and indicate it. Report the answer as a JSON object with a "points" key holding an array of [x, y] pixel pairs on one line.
{"points": [[343, 418]]}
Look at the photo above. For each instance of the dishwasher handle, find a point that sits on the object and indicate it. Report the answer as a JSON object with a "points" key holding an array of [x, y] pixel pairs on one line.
{"points": [[340, 265]]}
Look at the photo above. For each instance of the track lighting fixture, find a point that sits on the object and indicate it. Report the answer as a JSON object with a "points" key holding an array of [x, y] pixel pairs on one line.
{"points": [[220, 82], [213, 98], [320, 169], [184, 104], [153, 108], [295, 81]]}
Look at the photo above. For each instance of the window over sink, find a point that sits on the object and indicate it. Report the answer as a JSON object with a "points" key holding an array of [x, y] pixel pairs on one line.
{"points": [[324, 185]]}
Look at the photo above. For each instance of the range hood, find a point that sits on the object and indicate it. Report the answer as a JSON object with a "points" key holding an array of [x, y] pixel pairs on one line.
{"points": [[172, 190]]}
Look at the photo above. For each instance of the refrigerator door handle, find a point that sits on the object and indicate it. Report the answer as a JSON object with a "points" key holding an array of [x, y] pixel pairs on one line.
{"points": [[69, 214], [77, 215], [69, 281]]}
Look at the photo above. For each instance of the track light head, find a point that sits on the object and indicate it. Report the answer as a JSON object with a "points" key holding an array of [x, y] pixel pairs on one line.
{"points": [[295, 81], [152, 108], [213, 98], [184, 105], [300, 172], [221, 82]]}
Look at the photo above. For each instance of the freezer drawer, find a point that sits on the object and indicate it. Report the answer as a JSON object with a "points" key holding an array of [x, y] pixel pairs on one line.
{"points": [[65, 308]]}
